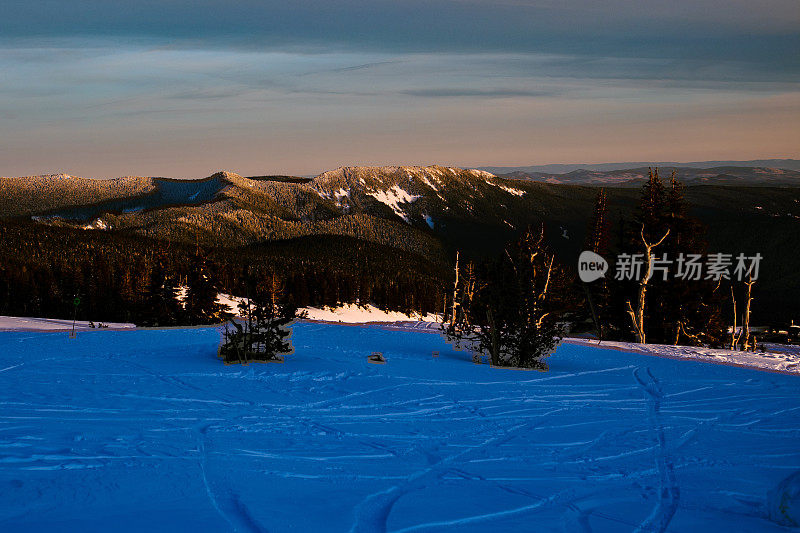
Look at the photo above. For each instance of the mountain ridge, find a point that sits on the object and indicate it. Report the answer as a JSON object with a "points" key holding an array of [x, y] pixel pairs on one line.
{"points": [[428, 211]]}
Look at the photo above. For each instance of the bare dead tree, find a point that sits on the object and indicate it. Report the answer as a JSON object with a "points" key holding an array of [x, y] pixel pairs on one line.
{"points": [[470, 285], [746, 318], [743, 334], [276, 289], [454, 309], [537, 316], [682, 325], [637, 315], [682, 330], [545, 292], [735, 335]]}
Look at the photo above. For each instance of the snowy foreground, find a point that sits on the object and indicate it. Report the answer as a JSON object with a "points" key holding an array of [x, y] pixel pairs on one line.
{"points": [[146, 430]]}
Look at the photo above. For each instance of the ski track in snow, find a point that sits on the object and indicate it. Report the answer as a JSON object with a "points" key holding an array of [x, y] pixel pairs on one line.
{"points": [[668, 490], [226, 502], [148, 430]]}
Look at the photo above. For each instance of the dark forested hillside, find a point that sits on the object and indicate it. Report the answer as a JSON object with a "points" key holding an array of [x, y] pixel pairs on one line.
{"points": [[43, 268]]}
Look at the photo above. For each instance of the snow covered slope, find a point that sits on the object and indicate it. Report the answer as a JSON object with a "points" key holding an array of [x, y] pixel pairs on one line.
{"points": [[354, 314], [421, 196], [779, 358], [16, 323], [346, 313], [148, 431]]}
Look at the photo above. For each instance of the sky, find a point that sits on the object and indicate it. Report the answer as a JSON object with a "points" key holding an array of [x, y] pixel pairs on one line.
{"points": [[106, 88]]}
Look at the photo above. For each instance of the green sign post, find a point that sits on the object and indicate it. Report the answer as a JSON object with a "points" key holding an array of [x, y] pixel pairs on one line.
{"points": [[76, 302]]}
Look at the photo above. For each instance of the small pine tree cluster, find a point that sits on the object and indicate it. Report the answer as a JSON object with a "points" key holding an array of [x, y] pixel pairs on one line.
{"points": [[511, 309], [598, 293], [263, 333]]}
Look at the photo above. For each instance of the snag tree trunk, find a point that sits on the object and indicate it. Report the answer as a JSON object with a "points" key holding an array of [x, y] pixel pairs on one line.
{"points": [[746, 318], [637, 315]]}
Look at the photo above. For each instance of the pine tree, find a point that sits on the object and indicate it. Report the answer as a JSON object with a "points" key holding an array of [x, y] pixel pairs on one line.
{"points": [[599, 225], [651, 212], [676, 310], [692, 309], [201, 306], [160, 307], [517, 312], [597, 240], [631, 315]]}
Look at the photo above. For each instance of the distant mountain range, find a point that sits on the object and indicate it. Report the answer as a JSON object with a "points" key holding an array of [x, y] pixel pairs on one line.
{"points": [[788, 164], [634, 177]]}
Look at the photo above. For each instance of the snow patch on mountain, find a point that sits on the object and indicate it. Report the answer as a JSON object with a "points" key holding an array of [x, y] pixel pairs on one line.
{"points": [[510, 190], [98, 223], [393, 197], [429, 183], [340, 197], [481, 173]]}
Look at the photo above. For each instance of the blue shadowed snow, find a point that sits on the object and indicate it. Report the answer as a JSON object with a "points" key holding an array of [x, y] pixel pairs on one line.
{"points": [[149, 431]]}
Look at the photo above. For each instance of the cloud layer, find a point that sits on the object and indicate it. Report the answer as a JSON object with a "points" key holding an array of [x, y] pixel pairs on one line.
{"points": [[105, 88]]}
